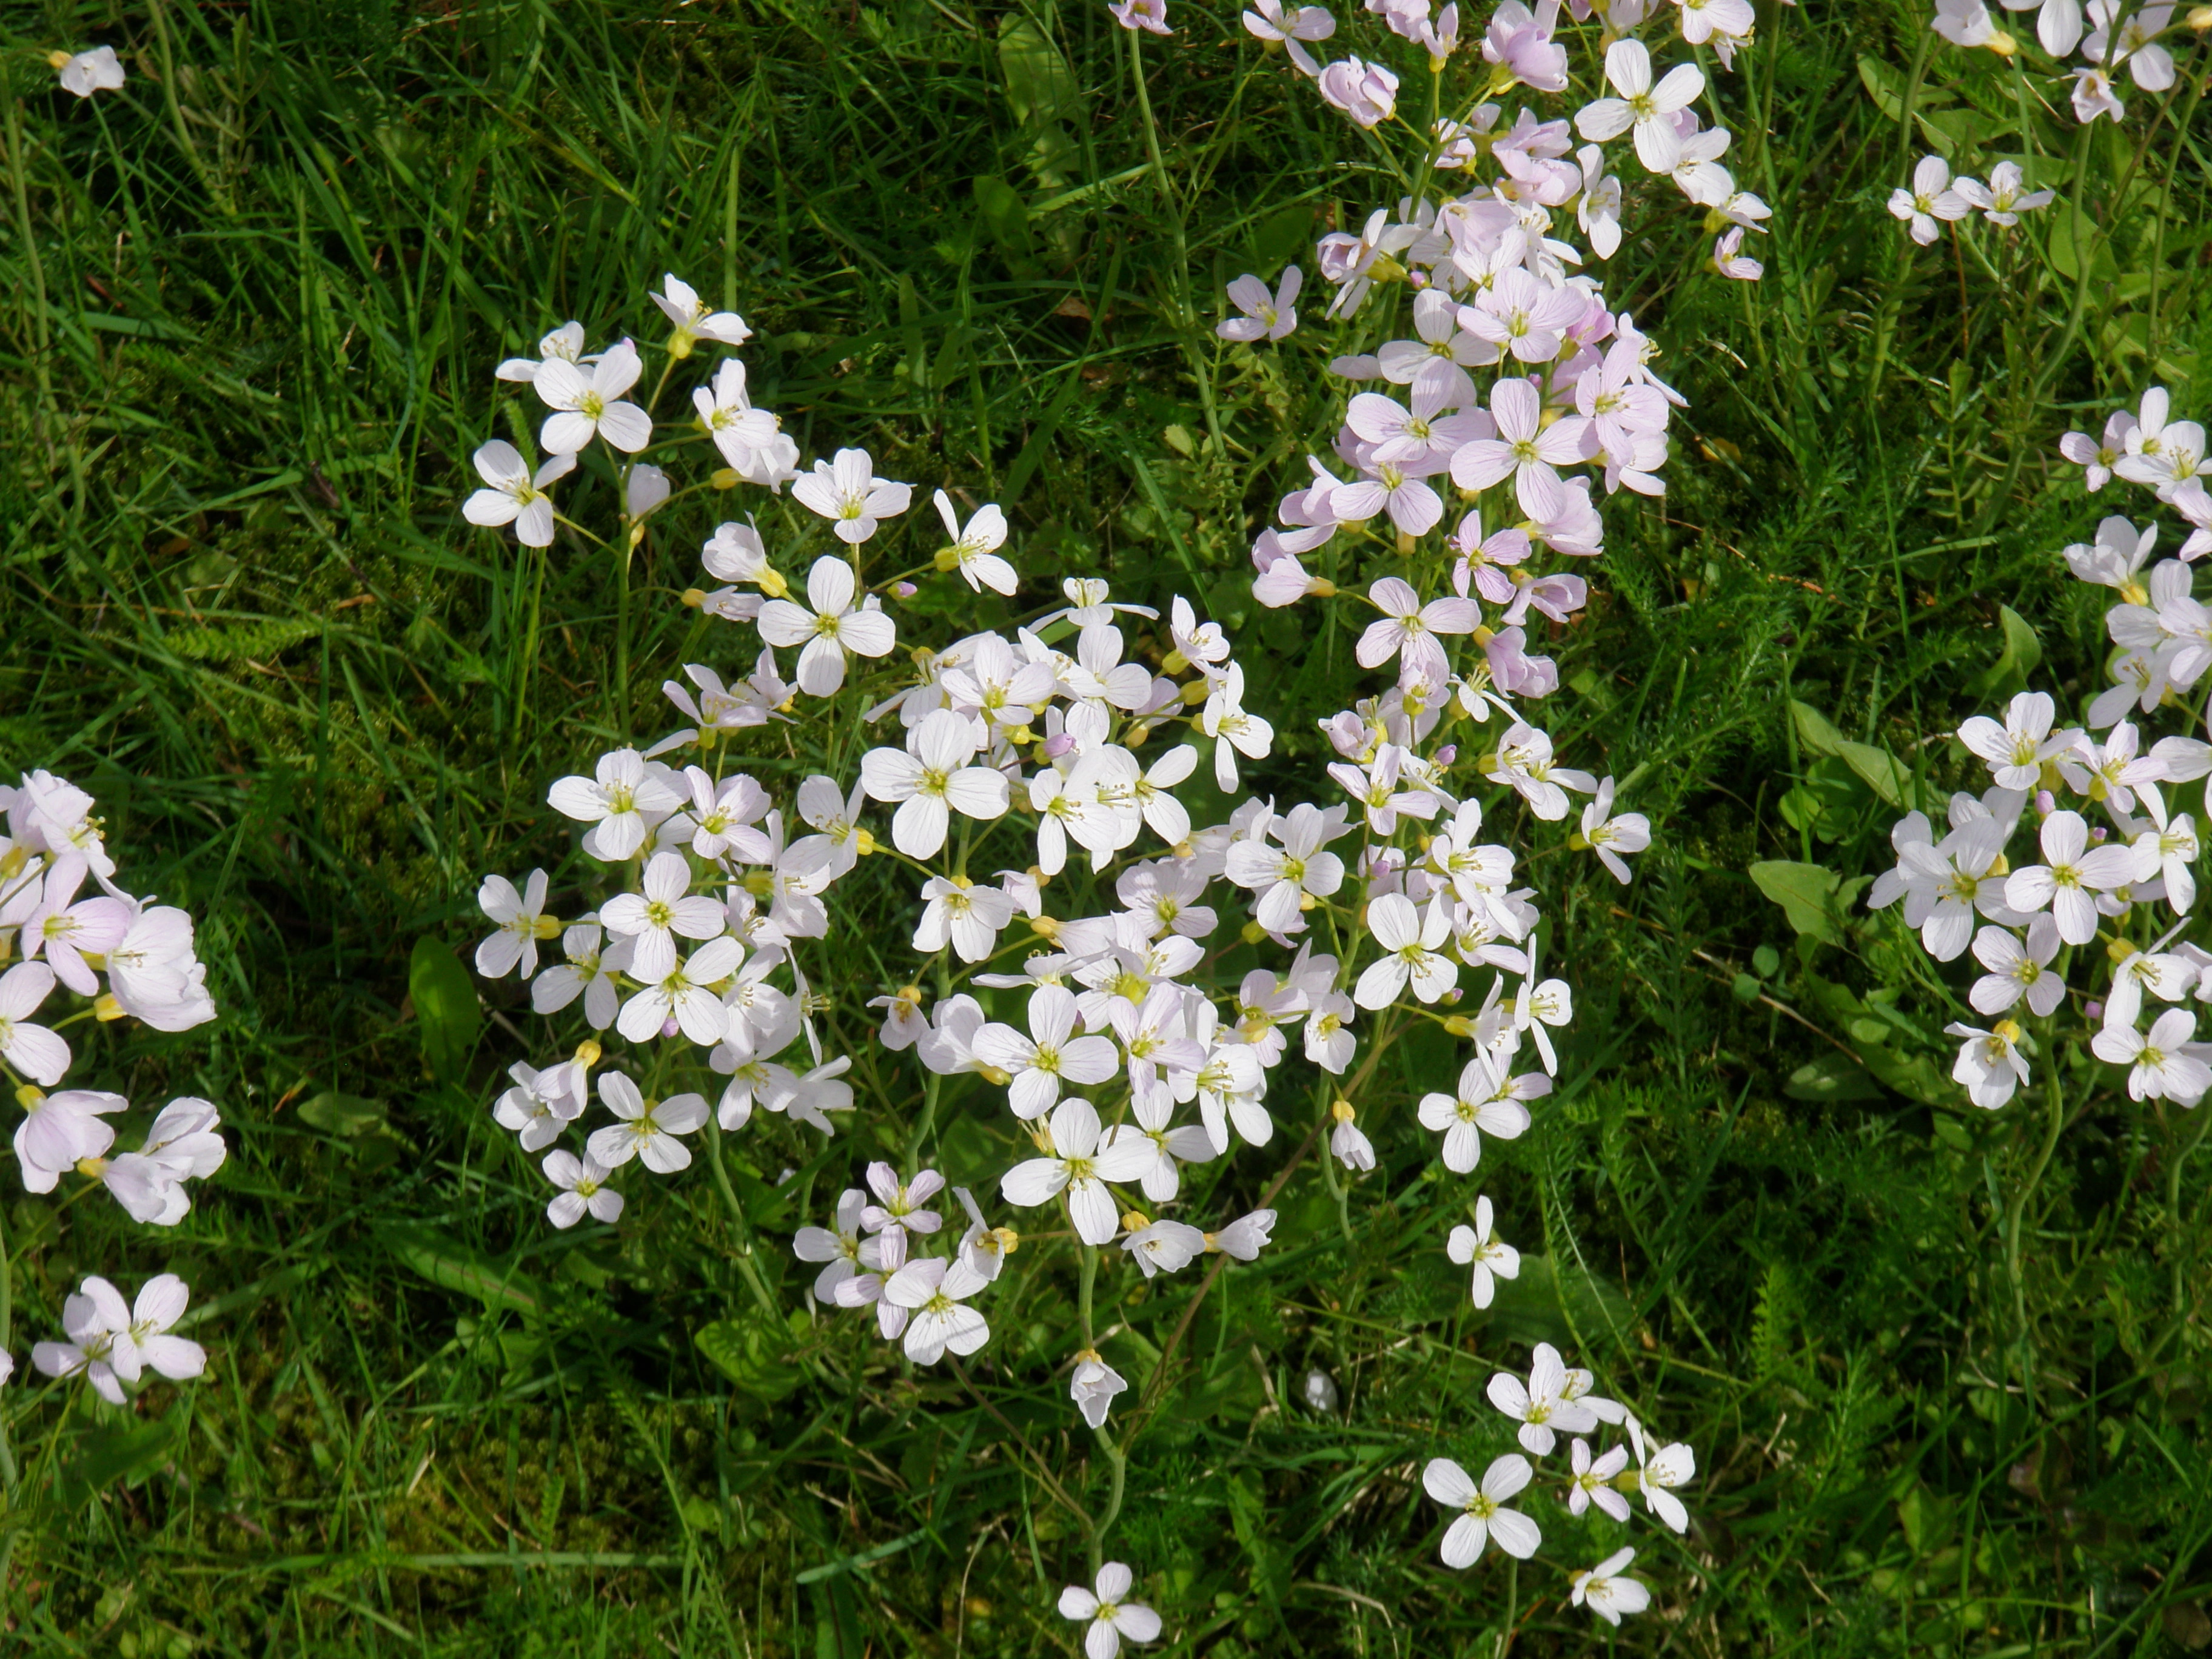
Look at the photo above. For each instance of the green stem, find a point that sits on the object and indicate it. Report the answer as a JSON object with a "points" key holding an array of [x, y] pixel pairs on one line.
{"points": [[747, 1269], [7, 1340], [1186, 320], [2055, 1104], [18, 168]]}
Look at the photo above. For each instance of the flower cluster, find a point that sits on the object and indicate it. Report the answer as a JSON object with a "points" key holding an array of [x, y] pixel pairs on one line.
{"points": [[1069, 894], [2125, 881], [1938, 199], [1556, 1402], [2117, 36], [116, 956]]}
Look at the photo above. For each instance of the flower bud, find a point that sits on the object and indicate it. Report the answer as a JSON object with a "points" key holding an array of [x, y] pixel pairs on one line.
{"points": [[903, 590], [2200, 19], [1194, 694]]}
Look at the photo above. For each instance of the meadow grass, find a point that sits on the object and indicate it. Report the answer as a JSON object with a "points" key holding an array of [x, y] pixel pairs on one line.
{"points": [[248, 311]]}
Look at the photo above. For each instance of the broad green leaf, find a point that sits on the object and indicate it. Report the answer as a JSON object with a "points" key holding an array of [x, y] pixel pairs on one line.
{"points": [[751, 1355], [1004, 216], [335, 1113], [1039, 83], [452, 1265], [1814, 734], [445, 1007], [129, 1451], [2022, 655], [1833, 1079], [1882, 772], [1806, 893]]}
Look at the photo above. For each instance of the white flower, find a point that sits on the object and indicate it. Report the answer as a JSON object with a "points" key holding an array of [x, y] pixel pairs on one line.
{"points": [[87, 72], [2069, 872], [583, 1190], [588, 973], [1989, 1064], [1093, 1386], [1244, 1237], [182, 1145], [1074, 1161], [1267, 317], [1592, 1481], [933, 781], [521, 921], [592, 406], [2161, 1066], [1542, 1405], [1483, 1514], [565, 342], [1164, 1247], [1931, 198], [1609, 834], [648, 1129], [831, 628], [1409, 938], [1488, 1100], [2017, 749], [1224, 720], [839, 1248], [903, 1204], [1491, 1257], [744, 434], [614, 802], [514, 494], [683, 994], [60, 1130], [974, 550], [1049, 1055], [1674, 1465], [1524, 761], [2015, 972], [1109, 1614], [1607, 1595], [541, 1103], [653, 920], [956, 910], [1641, 105], [34, 1050], [681, 304], [2004, 198], [932, 1292], [111, 1344], [847, 492]]}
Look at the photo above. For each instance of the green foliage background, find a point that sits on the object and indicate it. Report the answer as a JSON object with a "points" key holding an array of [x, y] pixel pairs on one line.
{"points": [[248, 312]]}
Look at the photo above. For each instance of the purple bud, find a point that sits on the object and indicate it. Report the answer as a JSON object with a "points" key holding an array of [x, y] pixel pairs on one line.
{"points": [[2045, 802], [2094, 1012], [902, 590], [669, 1027], [1056, 746], [2097, 834], [1448, 754]]}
